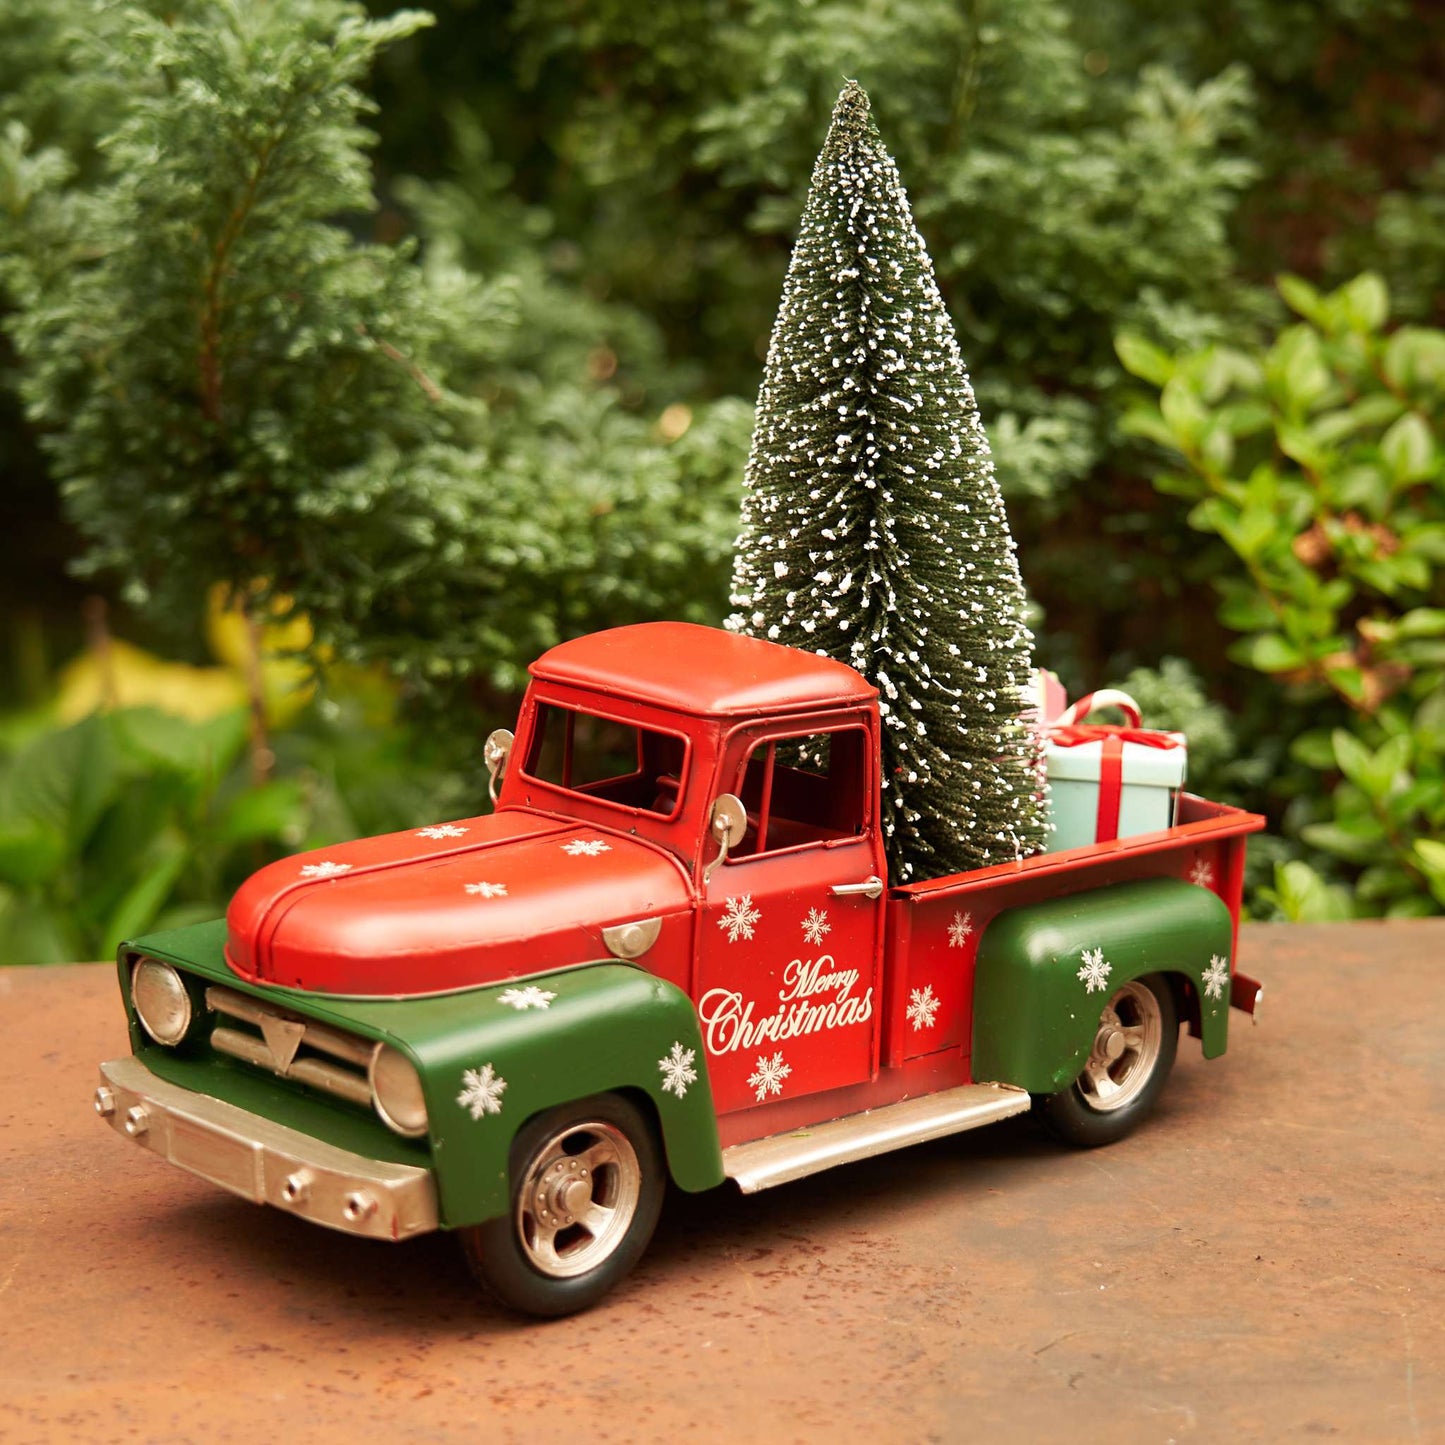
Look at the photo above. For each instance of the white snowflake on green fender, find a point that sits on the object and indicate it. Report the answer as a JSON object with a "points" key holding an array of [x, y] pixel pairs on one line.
{"points": [[482, 1091], [816, 924], [1095, 972], [922, 1006], [768, 1077], [487, 890], [1202, 874], [959, 929], [324, 869], [529, 997], [441, 830], [739, 917], [677, 1070], [1215, 977], [586, 847]]}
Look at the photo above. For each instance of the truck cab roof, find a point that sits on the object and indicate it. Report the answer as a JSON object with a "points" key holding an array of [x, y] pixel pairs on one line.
{"points": [[702, 670]]}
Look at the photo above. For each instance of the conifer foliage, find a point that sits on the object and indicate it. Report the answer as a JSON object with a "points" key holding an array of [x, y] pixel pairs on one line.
{"points": [[873, 527]]}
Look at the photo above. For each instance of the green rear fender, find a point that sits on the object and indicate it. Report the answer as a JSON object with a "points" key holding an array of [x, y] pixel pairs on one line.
{"points": [[609, 1028], [1035, 1017]]}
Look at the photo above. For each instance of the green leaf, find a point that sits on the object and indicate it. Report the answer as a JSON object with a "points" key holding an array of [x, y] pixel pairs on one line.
{"points": [[1315, 750], [31, 853], [274, 811], [1408, 449], [1431, 856], [138, 908], [1272, 652], [1357, 840], [1143, 359], [1365, 302], [1301, 298], [64, 780], [1305, 897], [1422, 622], [1377, 774]]}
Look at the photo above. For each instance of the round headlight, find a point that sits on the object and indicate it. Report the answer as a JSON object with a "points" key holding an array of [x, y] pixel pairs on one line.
{"points": [[161, 1002], [396, 1092]]}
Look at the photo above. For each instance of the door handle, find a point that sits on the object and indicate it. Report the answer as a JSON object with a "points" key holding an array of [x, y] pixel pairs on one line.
{"points": [[869, 888]]}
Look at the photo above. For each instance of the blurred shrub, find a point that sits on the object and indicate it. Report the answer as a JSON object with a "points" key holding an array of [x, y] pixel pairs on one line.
{"points": [[1316, 463], [136, 818]]}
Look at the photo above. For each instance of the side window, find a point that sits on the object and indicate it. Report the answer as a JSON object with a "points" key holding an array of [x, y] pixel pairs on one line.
{"points": [[806, 789]]}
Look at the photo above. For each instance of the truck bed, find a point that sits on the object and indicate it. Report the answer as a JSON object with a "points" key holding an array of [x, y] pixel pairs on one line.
{"points": [[950, 914]]}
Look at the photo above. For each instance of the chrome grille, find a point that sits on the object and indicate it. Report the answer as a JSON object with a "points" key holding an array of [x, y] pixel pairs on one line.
{"points": [[292, 1047]]}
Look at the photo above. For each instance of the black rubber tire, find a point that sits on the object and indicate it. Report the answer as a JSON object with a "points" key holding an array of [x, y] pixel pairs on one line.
{"points": [[1070, 1116], [497, 1252]]}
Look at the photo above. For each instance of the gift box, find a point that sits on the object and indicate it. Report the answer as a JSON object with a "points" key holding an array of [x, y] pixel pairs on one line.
{"points": [[1110, 782]]}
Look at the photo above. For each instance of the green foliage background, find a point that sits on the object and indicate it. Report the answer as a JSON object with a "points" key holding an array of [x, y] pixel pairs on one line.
{"points": [[574, 224]]}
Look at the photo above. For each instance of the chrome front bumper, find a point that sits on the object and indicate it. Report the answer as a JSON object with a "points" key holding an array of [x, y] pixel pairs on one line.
{"points": [[264, 1162]]}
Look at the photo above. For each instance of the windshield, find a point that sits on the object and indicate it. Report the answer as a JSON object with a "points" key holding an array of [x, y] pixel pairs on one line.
{"points": [[601, 757]]}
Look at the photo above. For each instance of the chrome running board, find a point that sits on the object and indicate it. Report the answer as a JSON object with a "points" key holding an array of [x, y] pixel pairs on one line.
{"points": [[762, 1163]]}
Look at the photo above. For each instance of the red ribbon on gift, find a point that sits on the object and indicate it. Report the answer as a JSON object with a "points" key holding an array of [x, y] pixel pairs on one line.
{"points": [[1111, 764]]}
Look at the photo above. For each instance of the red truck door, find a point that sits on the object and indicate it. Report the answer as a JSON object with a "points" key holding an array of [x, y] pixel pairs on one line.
{"points": [[790, 925]]}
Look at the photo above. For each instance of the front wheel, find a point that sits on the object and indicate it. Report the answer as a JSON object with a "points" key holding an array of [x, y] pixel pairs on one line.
{"points": [[1132, 1053], [587, 1187]]}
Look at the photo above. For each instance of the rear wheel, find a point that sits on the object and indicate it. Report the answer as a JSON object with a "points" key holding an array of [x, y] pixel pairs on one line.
{"points": [[587, 1187], [1127, 1067]]}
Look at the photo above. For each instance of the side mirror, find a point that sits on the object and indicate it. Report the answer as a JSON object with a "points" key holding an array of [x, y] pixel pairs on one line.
{"points": [[497, 750], [728, 823]]}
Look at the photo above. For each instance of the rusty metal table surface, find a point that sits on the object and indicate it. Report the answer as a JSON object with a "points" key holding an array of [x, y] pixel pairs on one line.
{"points": [[1265, 1260]]}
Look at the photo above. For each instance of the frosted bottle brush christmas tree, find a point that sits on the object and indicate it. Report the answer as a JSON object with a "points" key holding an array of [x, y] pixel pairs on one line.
{"points": [[873, 527]]}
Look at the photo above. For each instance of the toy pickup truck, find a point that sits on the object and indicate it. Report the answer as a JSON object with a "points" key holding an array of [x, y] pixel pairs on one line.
{"points": [[669, 952]]}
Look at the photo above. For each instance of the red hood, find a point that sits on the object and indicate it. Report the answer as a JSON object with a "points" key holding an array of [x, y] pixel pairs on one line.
{"points": [[433, 909]]}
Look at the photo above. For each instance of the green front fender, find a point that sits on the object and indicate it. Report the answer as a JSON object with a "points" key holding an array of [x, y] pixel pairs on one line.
{"points": [[488, 1067], [1035, 1016], [592, 1029]]}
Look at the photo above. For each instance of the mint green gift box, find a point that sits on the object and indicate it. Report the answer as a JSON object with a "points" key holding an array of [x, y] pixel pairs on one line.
{"points": [[1148, 795]]}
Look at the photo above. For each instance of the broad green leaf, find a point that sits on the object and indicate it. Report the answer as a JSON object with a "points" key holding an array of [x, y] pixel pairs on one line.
{"points": [[137, 910], [1352, 756], [274, 811], [1430, 853], [1423, 622], [1365, 301], [64, 780], [1305, 897], [1143, 359], [31, 852], [1408, 449], [1271, 652], [1301, 297], [1357, 841], [1314, 749]]}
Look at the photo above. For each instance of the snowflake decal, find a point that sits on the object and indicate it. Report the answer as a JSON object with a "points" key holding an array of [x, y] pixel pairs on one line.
{"points": [[768, 1077], [739, 917], [922, 1006], [441, 830], [1202, 874], [586, 847], [482, 1091], [487, 890], [959, 929], [816, 924], [324, 869], [529, 997], [1095, 972], [677, 1070], [1215, 977]]}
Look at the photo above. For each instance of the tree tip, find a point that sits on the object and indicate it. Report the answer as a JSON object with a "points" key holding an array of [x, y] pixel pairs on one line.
{"points": [[850, 115]]}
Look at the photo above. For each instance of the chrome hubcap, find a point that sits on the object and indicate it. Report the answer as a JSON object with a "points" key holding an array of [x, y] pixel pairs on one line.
{"points": [[1126, 1049], [578, 1199]]}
